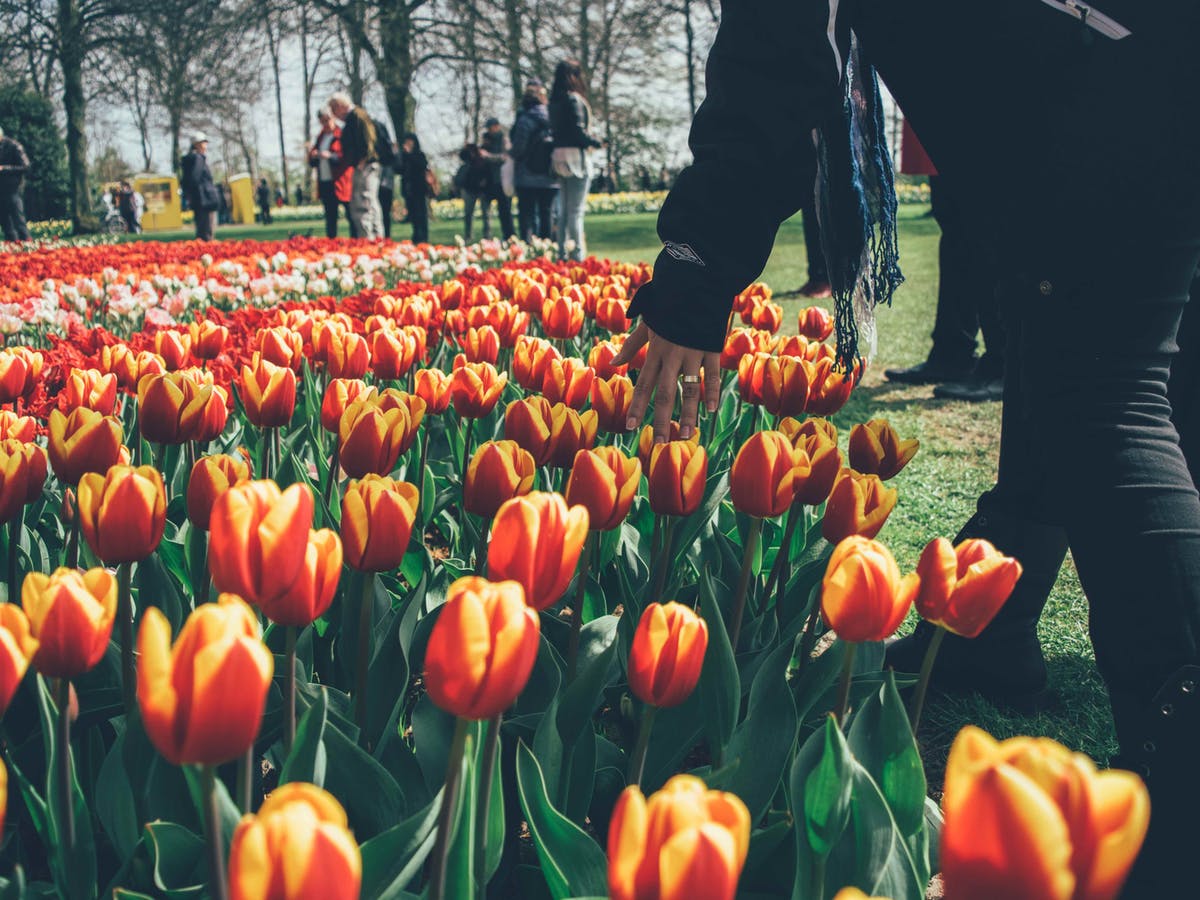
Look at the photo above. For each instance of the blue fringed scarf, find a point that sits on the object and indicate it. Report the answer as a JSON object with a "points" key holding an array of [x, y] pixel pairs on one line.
{"points": [[856, 203]]}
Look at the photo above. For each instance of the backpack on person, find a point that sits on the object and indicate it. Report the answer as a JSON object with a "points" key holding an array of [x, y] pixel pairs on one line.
{"points": [[538, 149]]}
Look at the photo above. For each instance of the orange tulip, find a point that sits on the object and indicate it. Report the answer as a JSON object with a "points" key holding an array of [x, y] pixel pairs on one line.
{"points": [[876, 449], [298, 845], [667, 654], [677, 475], [82, 441], [475, 388], [611, 398], [765, 473], [853, 893], [377, 522], [95, 390], [570, 432], [963, 587], [562, 318], [568, 381], [604, 481], [280, 346], [259, 538], [858, 504], [828, 389], [202, 699], [1027, 817], [17, 428], [863, 596], [497, 472], [766, 317], [208, 338], [536, 541], [818, 439], [393, 353], [370, 437], [816, 323], [610, 314], [433, 386], [311, 594], [17, 647], [685, 843], [340, 393], [123, 513], [743, 342], [347, 355], [413, 406], [174, 347], [173, 408], [639, 358], [509, 321], [20, 369], [751, 373], [646, 442], [22, 476], [71, 615], [268, 393], [531, 358], [210, 477], [784, 385], [482, 648], [528, 422], [480, 344]]}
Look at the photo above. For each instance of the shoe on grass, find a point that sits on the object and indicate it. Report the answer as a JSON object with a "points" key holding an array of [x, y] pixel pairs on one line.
{"points": [[973, 390], [932, 371], [816, 290]]}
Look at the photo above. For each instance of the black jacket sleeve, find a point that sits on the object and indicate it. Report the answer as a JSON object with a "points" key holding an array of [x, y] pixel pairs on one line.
{"points": [[772, 75]]}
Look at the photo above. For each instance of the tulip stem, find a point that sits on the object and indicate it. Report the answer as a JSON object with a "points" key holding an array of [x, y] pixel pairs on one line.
{"points": [[918, 700], [14, 546], [125, 619], [216, 857], [785, 546], [843, 701], [335, 464], [481, 547], [245, 783], [289, 734], [365, 610], [276, 453], [491, 748], [67, 813], [470, 429], [585, 565], [637, 761], [72, 559], [441, 847], [664, 559], [201, 578], [739, 605]]}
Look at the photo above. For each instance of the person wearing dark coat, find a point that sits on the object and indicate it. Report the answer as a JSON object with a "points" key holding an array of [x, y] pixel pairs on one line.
{"points": [[472, 179], [360, 151], [414, 186], [199, 187], [14, 165], [532, 146], [334, 177], [263, 195], [493, 146], [570, 119]]}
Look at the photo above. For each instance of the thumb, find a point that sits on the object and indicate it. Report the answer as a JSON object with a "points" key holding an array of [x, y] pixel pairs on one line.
{"points": [[632, 345]]}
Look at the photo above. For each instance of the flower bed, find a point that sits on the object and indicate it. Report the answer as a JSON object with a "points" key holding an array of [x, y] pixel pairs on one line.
{"points": [[371, 591]]}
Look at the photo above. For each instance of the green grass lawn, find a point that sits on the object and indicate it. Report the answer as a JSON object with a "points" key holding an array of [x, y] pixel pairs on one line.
{"points": [[957, 461]]}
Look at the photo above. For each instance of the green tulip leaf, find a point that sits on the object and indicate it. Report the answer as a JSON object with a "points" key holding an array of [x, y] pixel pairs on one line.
{"points": [[394, 858], [720, 683], [180, 860], [308, 758]]}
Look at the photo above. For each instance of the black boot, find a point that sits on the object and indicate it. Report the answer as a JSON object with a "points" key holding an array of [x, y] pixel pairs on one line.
{"points": [[1159, 741], [1005, 663]]}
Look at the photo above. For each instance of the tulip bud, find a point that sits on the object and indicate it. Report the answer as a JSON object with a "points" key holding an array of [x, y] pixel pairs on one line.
{"points": [[863, 597], [853, 893], [497, 472], [858, 504], [71, 614], [600, 358], [570, 432], [174, 409], [536, 541], [568, 381], [82, 441], [784, 385], [528, 423], [677, 475], [818, 439], [20, 369], [210, 477], [22, 476], [280, 346], [646, 442], [95, 390], [310, 595], [562, 318], [340, 393], [766, 316], [751, 373], [297, 845], [531, 358], [377, 522], [123, 513], [202, 699], [1026, 817], [482, 648], [610, 314], [17, 647], [611, 399], [370, 437], [480, 345], [765, 472], [604, 481], [433, 386], [828, 389], [393, 353], [475, 388], [743, 342], [347, 355], [876, 449], [174, 347], [816, 323], [667, 654], [17, 428], [208, 338], [268, 393], [963, 587], [685, 842]]}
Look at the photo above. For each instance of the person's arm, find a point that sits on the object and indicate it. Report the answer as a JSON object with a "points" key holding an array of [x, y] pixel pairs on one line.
{"points": [[772, 73], [579, 112], [519, 135]]}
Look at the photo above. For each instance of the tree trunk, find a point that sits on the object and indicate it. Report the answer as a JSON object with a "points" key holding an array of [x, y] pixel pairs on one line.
{"points": [[71, 53], [394, 65], [356, 56], [690, 38], [585, 38], [273, 41], [512, 21], [308, 82]]}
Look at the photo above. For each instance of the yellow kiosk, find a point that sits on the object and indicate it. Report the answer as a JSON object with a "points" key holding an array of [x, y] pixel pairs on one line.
{"points": [[241, 189], [164, 211]]}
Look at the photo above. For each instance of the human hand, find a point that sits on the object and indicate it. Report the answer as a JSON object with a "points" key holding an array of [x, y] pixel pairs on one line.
{"points": [[665, 363]]}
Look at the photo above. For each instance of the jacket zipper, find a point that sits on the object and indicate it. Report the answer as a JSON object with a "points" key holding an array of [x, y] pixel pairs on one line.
{"points": [[1091, 17]]}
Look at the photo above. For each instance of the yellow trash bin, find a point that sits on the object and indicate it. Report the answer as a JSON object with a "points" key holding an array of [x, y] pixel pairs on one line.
{"points": [[164, 211], [241, 189]]}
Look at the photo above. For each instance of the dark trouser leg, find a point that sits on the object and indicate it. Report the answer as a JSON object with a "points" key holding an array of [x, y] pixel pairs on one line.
{"points": [[350, 220], [468, 215], [545, 207], [385, 206], [6, 216], [329, 200], [418, 216], [526, 213], [504, 208], [960, 283], [817, 271]]}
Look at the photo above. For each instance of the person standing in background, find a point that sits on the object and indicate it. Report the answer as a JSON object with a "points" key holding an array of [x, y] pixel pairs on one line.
{"points": [[14, 166], [493, 145], [299, 195], [199, 187], [389, 159], [532, 147], [263, 195], [359, 152], [417, 184], [126, 207], [471, 179], [334, 177], [570, 118]]}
